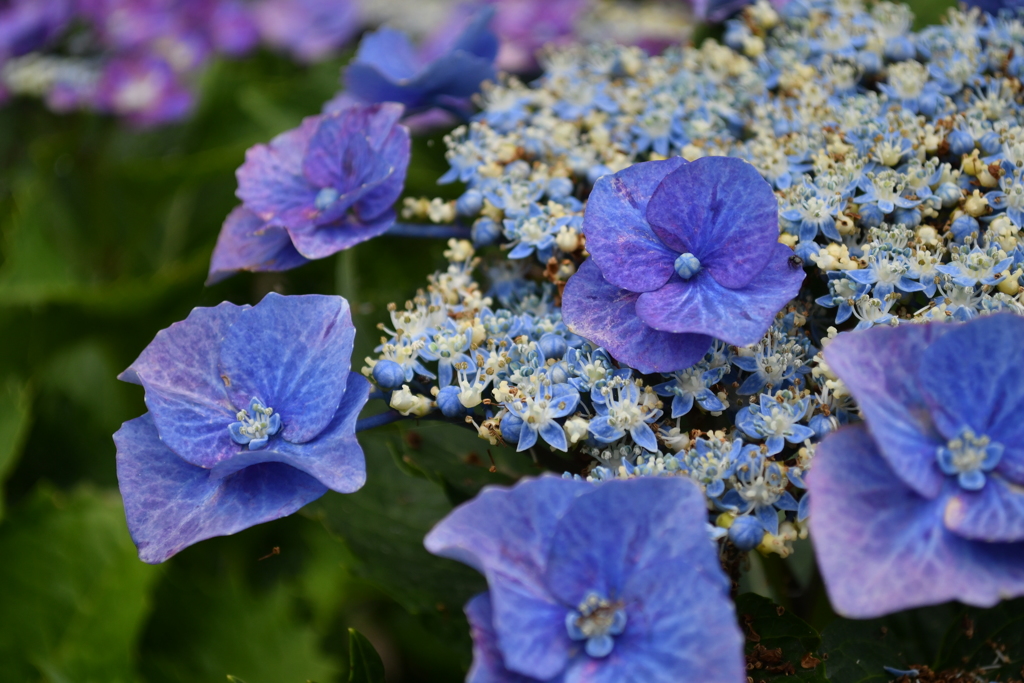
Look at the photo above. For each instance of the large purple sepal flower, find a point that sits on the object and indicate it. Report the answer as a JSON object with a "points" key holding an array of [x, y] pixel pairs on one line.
{"points": [[571, 599], [680, 253], [328, 184], [387, 68], [936, 476], [237, 394]]}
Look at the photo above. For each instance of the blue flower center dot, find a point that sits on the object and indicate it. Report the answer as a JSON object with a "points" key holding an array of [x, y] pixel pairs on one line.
{"points": [[596, 621], [325, 198], [255, 426], [687, 265], [969, 456]]}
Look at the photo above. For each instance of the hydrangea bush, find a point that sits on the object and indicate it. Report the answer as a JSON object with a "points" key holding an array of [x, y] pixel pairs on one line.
{"points": [[732, 296]]}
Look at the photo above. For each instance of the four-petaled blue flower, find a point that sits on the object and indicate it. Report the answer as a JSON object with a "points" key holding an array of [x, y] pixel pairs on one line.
{"points": [[252, 413], [618, 581], [315, 190], [387, 68], [681, 253], [924, 502]]}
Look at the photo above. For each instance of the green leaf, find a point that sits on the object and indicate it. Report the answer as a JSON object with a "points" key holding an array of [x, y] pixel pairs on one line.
{"points": [[858, 651], [989, 640], [74, 594], [383, 525], [15, 417], [364, 663], [780, 646]]}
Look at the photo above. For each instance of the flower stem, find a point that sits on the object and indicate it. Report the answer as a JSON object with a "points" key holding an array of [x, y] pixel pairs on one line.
{"points": [[429, 231], [378, 420]]}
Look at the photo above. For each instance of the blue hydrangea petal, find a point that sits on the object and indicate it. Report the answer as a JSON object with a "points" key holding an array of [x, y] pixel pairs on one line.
{"points": [[293, 353], [722, 211], [527, 438], [682, 404], [644, 437], [768, 518], [676, 630], [390, 52], [994, 514], [665, 522], [506, 535], [883, 548], [247, 243], [553, 433], [737, 316], [271, 183], [880, 366], [986, 393], [619, 238], [488, 664], [601, 312], [171, 504], [185, 392], [334, 457]]}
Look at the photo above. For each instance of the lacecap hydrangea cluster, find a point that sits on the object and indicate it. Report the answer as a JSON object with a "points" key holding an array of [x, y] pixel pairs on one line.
{"points": [[897, 164]]}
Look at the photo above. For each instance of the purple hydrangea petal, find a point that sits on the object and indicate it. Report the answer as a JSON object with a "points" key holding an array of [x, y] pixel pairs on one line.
{"points": [[248, 243], [995, 513], [293, 353], [738, 316], [880, 366], [665, 522], [618, 235], [171, 504], [185, 392], [883, 548], [986, 394], [334, 457], [325, 240], [505, 534], [601, 312], [488, 665], [722, 211], [271, 183]]}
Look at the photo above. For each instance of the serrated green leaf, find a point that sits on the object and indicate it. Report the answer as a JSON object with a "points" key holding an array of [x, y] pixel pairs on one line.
{"points": [[74, 594], [779, 645], [364, 664], [383, 525], [15, 417]]}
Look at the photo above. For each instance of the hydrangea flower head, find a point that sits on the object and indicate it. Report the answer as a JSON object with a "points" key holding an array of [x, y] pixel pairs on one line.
{"points": [[387, 68], [308, 29], [639, 596], [326, 185], [681, 253], [924, 502], [252, 413]]}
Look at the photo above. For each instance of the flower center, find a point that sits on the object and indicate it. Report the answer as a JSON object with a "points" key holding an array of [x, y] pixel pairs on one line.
{"points": [[969, 456], [255, 430], [596, 620], [687, 265], [324, 198]]}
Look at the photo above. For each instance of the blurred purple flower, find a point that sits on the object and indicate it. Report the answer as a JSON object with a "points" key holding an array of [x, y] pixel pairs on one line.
{"points": [[680, 253], [315, 190], [525, 26], [143, 89], [308, 29], [252, 414], [387, 68], [577, 583], [27, 25], [923, 503], [715, 11]]}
